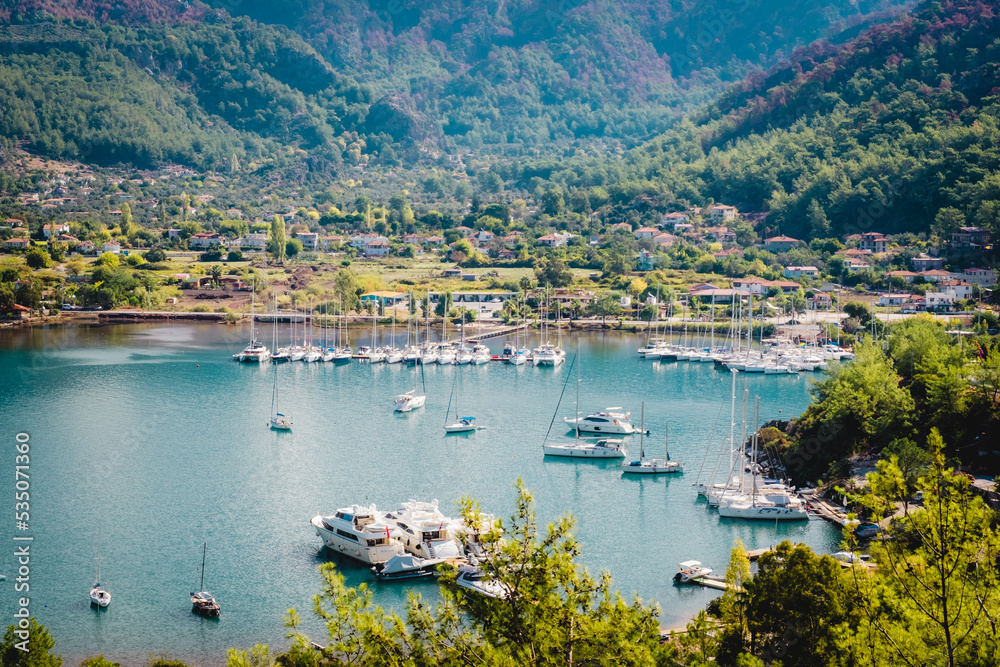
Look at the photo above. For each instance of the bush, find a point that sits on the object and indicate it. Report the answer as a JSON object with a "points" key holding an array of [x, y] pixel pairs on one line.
{"points": [[155, 255], [201, 308], [108, 259], [38, 258], [133, 260], [235, 256], [211, 256]]}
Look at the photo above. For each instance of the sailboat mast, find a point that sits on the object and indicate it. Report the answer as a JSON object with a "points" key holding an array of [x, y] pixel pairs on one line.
{"points": [[642, 430], [204, 549]]}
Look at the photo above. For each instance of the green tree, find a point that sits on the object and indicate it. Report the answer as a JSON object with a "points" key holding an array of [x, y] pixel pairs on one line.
{"points": [[125, 221], [108, 259], [98, 661], [36, 639], [216, 273], [605, 306], [346, 287], [258, 656], [443, 305], [552, 202], [554, 272], [293, 247], [276, 239], [38, 258]]}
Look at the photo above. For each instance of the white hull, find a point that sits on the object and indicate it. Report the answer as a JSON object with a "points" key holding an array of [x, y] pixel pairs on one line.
{"points": [[461, 427], [100, 598], [354, 549], [394, 357], [280, 424], [654, 467], [408, 402], [608, 428], [583, 451], [765, 512]]}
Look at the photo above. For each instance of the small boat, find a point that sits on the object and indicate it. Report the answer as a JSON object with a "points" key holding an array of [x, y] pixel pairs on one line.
{"points": [[408, 401], [473, 578], [691, 570], [867, 530], [393, 356], [612, 422], [277, 421], [281, 355], [280, 423], [651, 466], [602, 449], [480, 354], [463, 424], [202, 602], [406, 566], [98, 596]]}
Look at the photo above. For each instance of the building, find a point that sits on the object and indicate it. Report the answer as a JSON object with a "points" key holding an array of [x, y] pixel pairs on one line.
{"points": [[855, 265], [552, 240], [819, 301], [960, 288], [908, 276], [890, 300], [377, 248], [361, 240], [984, 277], [255, 240], [935, 275], [935, 300], [970, 237], [58, 228], [665, 240], [671, 219], [310, 240], [330, 242], [714, 294], [435, 240], [722, 213], [413, 239], [800, 271], [113, 247], [206, 240], [17, 243], [874, 242], [751, 285], [646, 261], [646, 233], [720, 234], [384, 298], [924, 262], [85, 247], [780, 243]]}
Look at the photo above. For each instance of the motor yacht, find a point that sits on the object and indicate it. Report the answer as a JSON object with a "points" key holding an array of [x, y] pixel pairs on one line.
{"points": [[360, 533], [652, 467], [426, 532], [690, 570], [473, 578], [254, 353], [408, 401], [612, 422], [548, 355]]}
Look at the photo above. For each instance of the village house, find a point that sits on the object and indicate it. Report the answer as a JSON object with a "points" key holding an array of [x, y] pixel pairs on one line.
{"points": [[377, 248], [173, 233], [720, 234], [799, 271], [464, 231], [780, 243], [17, 243], [553, 240], [890, 300], [855, 265], [908, 276], [621, 225], [255, 240], [330, 242], [819, 301], [435, 240], [936, 300], [960, 288], [646, 233], [671, 219], [114, 247], [728, 252], [483, 236], [722, 213], [57, 228], [413, 239], [665, 240], [310, 240], [361, 240], [873, 242], [712, 294], [983, 277], [855, 252], [751, 285], [924, 262], [206, 240], [86, 247], [505, 254], [970, 237], [935, 275]]}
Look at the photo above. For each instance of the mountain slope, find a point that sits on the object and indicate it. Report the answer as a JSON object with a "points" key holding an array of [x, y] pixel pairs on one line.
{"points": [[880, 133], [522, 74]]}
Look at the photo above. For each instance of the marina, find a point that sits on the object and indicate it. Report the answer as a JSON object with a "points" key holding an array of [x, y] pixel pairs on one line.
{"points": [[182, 450]]}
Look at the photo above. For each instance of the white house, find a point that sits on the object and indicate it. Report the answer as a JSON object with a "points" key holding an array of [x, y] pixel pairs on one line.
{"points": [[60, 228], [112, 247], [984, 277], [721, 213], [310, 240], [671, 219], [553, 240], [361, 240], [377, 248], [797, 271], [751, 285], [960, 288], [939, 300], [206, 240], [646, 233], [256, 240]]}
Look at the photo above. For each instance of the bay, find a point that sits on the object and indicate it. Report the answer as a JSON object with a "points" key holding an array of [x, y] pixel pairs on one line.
{"points": [[153, 435]]}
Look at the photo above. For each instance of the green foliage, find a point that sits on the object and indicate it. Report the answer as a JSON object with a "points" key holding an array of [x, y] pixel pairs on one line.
{"points": [[553, 272], [39, 644], [98, 661], [38, 258], [293, 247], [605, 306], [155, 255], [555, 612], [276, 239], [108, 259], [234, 256]]}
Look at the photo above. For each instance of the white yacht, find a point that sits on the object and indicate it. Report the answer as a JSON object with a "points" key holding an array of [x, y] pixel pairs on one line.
{"points": [[283, 354], [602, 449], [462, 425], [612, 422], [280, 422], [343, 355], [406, 566], [377, 356], [412, 355], [548, 354], [328, 354], [691, 570], [446, 355], [652, 467], [430, 356], [425, 531], [481, 354], [464, 356], [312, 355], [474, 579], [254, 353], [393, 356], [296, 353], [360, 533], [770, 506], [408, 401]]}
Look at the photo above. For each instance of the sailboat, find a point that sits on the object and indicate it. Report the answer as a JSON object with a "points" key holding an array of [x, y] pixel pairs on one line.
{"points": [[256, 352], [411, 399], [344, 353], [651, 466], [280, 354], [279, 422], [393, 355], [602, 449], [98, 596], [202, 602], [464, 424]]}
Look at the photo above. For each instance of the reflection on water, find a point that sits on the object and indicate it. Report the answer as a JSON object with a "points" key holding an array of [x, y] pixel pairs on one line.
{"points": [[153, 433]]}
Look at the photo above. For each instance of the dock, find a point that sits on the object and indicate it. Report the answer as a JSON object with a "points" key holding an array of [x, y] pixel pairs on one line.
{"points": [[828, 510], [710, 581]]}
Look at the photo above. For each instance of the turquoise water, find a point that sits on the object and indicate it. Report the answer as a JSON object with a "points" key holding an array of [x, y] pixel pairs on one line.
{"points": [[152, 434]]}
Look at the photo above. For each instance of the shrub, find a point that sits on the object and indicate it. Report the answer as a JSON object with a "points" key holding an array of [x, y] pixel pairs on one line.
{"points": [[235, 256], [201, 308], [38, 258], [155, 255]]}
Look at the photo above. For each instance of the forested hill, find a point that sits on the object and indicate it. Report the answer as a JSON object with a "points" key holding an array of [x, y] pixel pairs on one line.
{"points": [[213, 93], [527, 76], [896, 130]]}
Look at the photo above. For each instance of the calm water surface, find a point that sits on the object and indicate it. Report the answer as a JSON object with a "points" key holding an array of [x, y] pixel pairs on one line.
{"points": [[152, 436]]}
